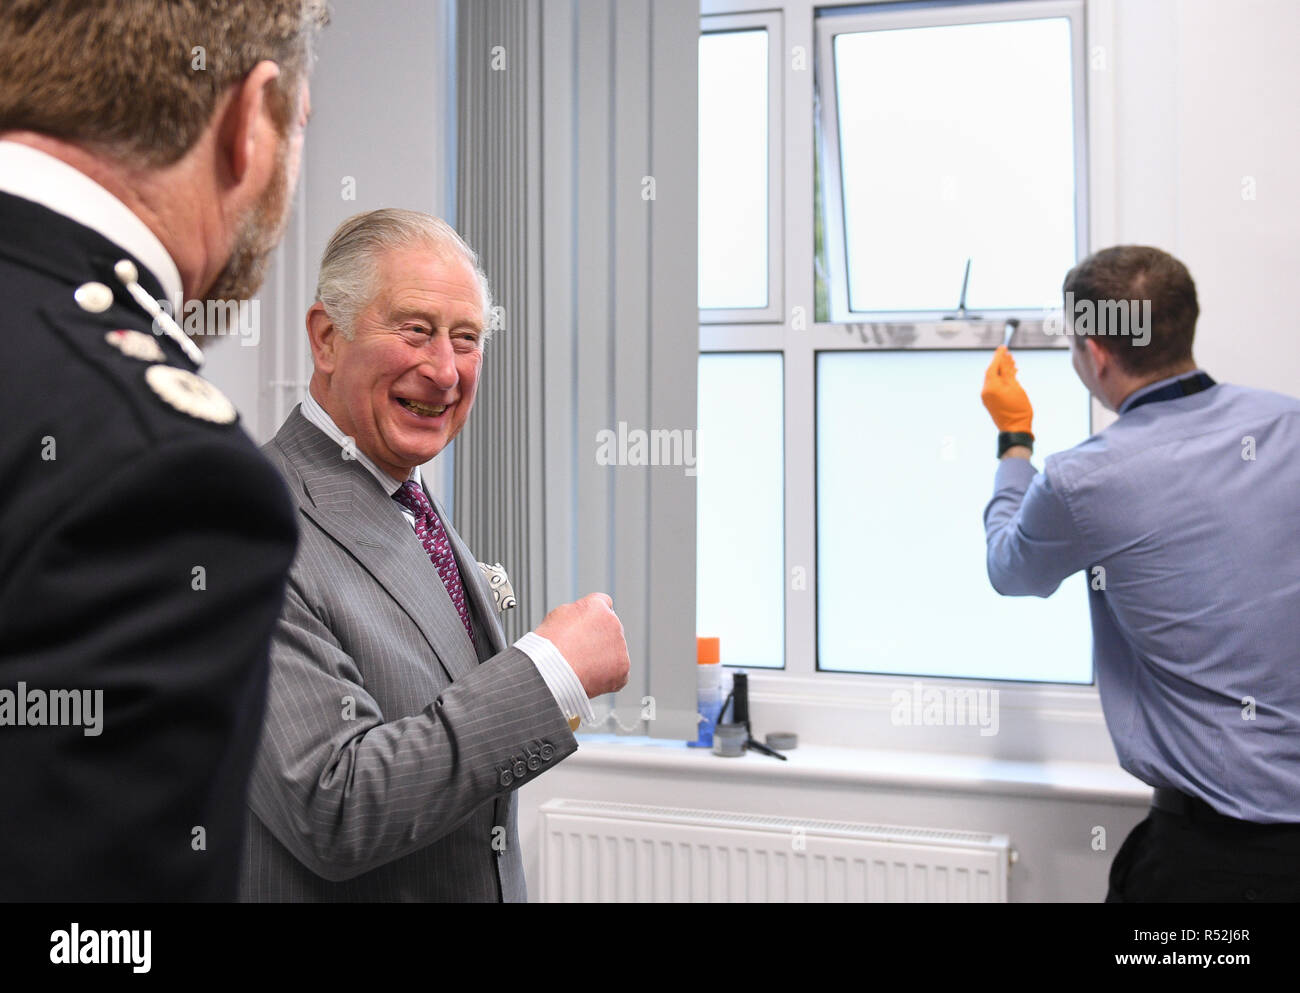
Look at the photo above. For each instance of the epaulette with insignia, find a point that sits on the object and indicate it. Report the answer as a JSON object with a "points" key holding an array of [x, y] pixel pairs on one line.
{"points": [[180, 389], [190, 394]]}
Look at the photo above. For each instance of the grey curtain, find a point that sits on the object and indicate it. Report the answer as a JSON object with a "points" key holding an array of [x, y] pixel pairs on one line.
{"points": [[577, 184]]}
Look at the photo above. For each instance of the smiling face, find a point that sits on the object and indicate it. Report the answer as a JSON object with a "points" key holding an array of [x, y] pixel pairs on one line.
{"points": [[404, 385]]}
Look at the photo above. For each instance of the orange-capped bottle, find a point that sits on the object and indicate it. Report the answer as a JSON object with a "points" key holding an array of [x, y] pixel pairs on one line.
{"points": [[708, 668]]}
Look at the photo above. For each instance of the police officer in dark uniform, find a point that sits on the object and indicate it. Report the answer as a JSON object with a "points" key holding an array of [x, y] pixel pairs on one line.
{"points": [[144, 541]]}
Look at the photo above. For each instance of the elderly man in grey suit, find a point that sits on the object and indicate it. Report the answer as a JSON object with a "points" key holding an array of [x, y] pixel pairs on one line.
{"points": [[399, 722]]}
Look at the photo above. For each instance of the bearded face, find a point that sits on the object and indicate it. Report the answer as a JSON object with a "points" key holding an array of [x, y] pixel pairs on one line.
{"points": [[258, 236], [261, 229]]}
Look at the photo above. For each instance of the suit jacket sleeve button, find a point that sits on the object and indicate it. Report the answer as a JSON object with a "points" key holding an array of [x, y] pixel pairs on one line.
{"points": [[520, 769], [547, 753], [506, 778]]}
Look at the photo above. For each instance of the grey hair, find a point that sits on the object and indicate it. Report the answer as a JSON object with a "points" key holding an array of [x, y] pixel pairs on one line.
{"points": [[346, 284]]}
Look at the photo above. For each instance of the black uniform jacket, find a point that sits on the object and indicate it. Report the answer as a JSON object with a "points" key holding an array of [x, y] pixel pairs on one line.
{"points": [[144, 544]]}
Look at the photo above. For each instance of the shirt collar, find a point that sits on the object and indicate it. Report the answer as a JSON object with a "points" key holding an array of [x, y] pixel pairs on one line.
{"points": [[41, 178], [1152, 387], [316, 414]]}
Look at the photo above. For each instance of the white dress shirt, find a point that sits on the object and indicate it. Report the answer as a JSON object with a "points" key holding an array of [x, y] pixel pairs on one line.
{"points": [[553, 667], [41, 178]]}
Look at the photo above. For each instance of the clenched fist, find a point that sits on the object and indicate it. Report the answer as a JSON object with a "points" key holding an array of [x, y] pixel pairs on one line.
{"points": [[1004, 397], [590, 636]]}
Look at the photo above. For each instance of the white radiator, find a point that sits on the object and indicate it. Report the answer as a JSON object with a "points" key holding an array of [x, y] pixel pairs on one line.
{"points": [[592, 851]]}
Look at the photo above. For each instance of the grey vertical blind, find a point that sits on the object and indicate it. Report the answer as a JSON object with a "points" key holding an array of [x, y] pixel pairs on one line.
{"points": [[577, 185], [498, 456]]}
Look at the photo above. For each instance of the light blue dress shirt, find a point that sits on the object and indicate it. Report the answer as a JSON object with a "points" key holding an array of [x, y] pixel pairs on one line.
{"points": [[1185, 514]]}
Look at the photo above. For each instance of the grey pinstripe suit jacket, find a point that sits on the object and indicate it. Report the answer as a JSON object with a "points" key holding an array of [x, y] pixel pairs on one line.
{"points": [[392, 745]]}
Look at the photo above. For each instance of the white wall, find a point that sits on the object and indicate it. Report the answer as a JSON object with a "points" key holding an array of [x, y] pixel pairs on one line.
{"points": [[1207, 100], [383, 104]]}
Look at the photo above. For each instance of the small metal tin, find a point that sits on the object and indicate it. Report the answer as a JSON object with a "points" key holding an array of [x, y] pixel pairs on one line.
{"points": [[729, 740]]}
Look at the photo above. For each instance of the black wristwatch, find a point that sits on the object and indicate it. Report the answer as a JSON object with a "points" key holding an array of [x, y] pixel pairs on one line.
{"points": [[1011, 439]]}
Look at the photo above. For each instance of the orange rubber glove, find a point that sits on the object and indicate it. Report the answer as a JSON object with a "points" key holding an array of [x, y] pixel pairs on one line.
{"points": [[1004, 397]]}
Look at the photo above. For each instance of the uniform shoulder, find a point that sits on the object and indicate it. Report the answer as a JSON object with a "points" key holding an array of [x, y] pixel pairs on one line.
{"points": [[106, 373], [92, 395]]}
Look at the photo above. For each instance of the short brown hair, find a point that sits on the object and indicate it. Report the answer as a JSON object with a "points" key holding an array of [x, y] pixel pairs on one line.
{"points": [[140, 79], [1140, 273]]}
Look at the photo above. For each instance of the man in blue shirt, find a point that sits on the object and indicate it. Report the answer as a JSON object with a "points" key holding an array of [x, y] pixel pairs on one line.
{"points": [[1184, 516]]}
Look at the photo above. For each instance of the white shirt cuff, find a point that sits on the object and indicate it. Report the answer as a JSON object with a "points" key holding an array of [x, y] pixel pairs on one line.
{"points": [[558, 676]]}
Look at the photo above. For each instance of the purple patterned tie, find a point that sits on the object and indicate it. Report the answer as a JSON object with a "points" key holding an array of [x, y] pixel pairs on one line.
{"points": [[433, 536]]}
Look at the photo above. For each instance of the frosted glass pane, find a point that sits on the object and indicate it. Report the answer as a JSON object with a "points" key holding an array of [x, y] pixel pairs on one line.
{"points": [[741, 489], [733, 170], [905, 465], [957, 142]]}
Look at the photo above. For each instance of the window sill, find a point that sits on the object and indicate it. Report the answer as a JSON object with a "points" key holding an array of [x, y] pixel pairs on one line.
{"points": [[860, 767], [1038, 724]]}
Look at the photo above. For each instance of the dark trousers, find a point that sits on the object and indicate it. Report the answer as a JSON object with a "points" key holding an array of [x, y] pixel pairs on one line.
{"points": [[1201, 856]]}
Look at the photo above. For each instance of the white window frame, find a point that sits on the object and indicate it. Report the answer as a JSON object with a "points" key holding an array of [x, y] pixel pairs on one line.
{"points": [[1041, 721], [828, 27], [773, 313]]}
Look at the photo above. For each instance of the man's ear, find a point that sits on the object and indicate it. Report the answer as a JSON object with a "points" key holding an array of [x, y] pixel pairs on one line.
{"points": [[324, 336], [248, 135], [1101, 359]]}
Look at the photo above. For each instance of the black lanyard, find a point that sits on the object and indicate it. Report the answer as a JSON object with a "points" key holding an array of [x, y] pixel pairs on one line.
{"points": [[1181, 388]]}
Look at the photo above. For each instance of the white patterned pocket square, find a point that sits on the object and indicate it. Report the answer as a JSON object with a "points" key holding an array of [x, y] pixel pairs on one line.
{"points": [[499, 583]]}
